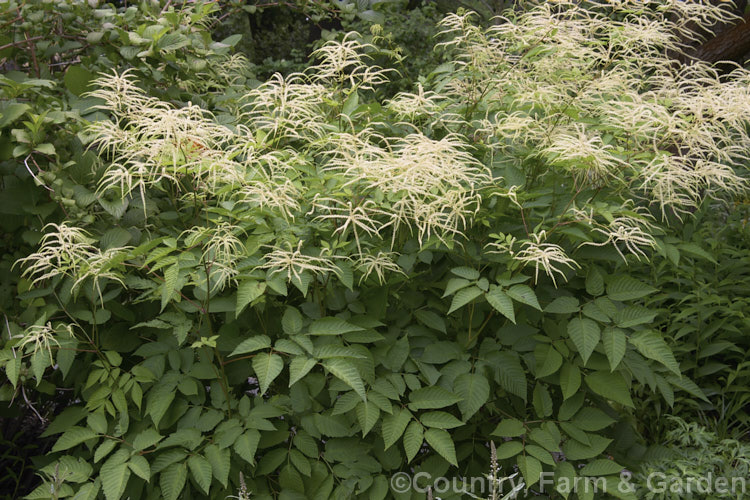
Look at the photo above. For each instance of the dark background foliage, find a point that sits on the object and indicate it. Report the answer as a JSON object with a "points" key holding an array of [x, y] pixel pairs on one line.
{"points": [[50, 54]]}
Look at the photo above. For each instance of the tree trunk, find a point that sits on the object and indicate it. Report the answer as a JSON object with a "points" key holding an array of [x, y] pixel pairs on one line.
{"points": [[732, 44]]}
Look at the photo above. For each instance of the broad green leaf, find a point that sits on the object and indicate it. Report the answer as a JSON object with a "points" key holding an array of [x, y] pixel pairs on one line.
{"points": [[570, 379], [623, 287], [525, 295], [306, 444], [441, 442], [539, 453], [291, 321], [563, 305], [252, 344], [397, 354], [463, 297], [439, 420], [475, 390], [616, 488], [576, 433], [601, 467], [104, 449], [531, 469], [501, 302], [592, 310], [159, 399], [510, 373], [574, 450], [114, 475], [441, 352], [666, 389], [688, 386], [247, 292], [548, 360], [696, 251], [170, 283], [271, 461], [172, 481], [565, 477], [430, 319], [509, 449], [346, 403], [546, 439], [413, 437], [231, 40], [350, 104], [78, 79], [379, 489], [277, 283], [634, 315], [542, 401], [73, 437], [300, 462], [302, 282], [187, 437], [12, 112], [228, 431], [394, 426], [246, 445], [509, 427], [610, 386], [267, 366], [466, 273], [585, 334], [614, 342], [299, 367], [74, 470], [114, 238], [367, 415], [89, 491], [172, 41], [332, 326], [139, 465], [652, 345], [46, 148], [116, 208], [303, 341], [345, 274], [454, 285], [201, 471], [146, 438], [219, 460], [606, 307], [592, 419], [570, 406], [290, 479], [334, 424], [347, 372], [167, 458], [97, 422], [13, 369], [328, 351], [594, 282], [432, 397]]}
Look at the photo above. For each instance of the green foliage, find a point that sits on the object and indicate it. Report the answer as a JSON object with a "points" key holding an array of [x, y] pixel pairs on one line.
{"points": [[298, 288], [690, 463], [701, 303]]}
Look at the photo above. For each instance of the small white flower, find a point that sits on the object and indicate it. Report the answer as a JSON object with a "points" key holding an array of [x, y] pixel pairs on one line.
{"points": [[546, 255]]}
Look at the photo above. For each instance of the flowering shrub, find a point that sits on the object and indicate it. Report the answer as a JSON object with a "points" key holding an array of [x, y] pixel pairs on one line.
{"points": [[299, 289]]}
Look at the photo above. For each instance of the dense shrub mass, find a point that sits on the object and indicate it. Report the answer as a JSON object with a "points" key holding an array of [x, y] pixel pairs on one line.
{"points": [[300, 287]]}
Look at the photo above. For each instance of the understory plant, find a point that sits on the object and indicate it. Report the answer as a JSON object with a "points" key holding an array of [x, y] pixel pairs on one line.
{"points": [[700, 307], [300, 288], [696, 464]]}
